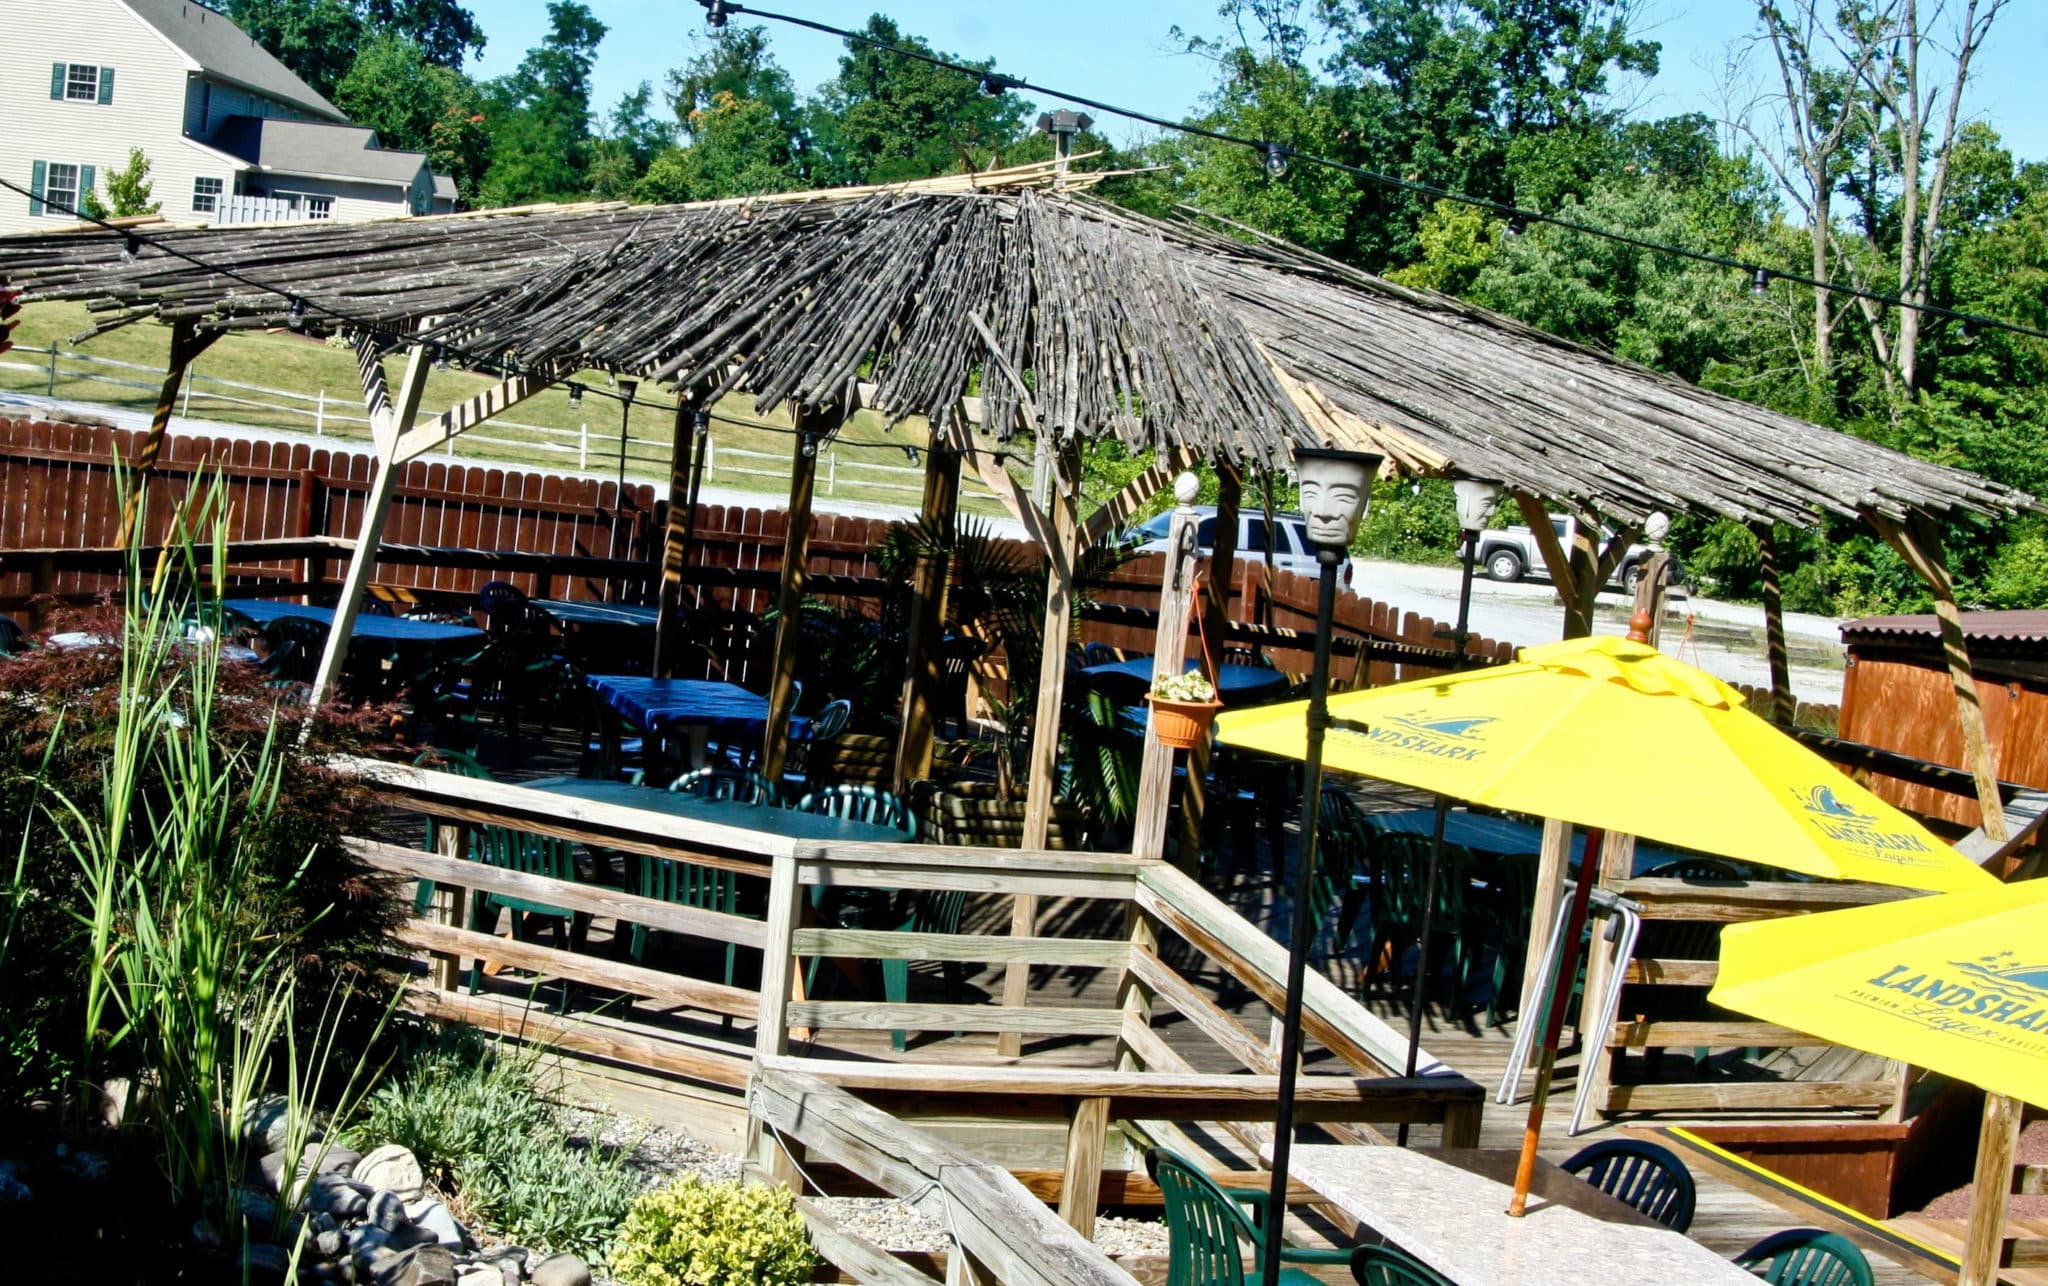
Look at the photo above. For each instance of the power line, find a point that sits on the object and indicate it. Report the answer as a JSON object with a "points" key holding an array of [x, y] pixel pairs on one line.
{"points": [[1275, 156]]}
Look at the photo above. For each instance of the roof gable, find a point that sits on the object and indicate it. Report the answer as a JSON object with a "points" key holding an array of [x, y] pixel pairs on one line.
{"points": [[313, 147], [222, 49]]}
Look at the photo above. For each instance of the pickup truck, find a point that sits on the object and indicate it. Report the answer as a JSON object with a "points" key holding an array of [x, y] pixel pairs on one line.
{"points": [[1510, 553]]}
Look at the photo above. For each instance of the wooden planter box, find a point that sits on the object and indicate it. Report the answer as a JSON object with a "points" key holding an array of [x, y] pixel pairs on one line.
{"points": [[1853, 1162]]}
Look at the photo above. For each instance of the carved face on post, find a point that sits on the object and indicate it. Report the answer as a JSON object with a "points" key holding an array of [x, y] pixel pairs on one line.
{"points": [[1328, 507]]}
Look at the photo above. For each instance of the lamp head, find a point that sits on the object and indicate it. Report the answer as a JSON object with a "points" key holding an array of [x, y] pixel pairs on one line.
{"points": [[1336, 488], [1476, 498], [1657, 526], [1186, 487], [627, 388]]}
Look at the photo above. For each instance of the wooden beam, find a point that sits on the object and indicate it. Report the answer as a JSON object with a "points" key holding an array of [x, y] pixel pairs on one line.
{"points": [[853, 1254], [187, 343], [930, 581], [1918, 541], [435, 435], [1045, 724], [1782, 703], [1214, 616], [1169, 651], [1997, 1140], [796, 555], [685, 471], [1081, 1180], [387, 424], [1556, 559], [1116, 513]]}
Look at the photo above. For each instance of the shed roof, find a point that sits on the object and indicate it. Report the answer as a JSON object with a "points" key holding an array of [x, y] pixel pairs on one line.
{"points": [[1165, 333], [2027, 628], [209, 38], [316, 148]]}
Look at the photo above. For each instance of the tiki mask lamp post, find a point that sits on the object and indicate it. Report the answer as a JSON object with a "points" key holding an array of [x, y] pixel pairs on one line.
{"points": [[1336, 487]]}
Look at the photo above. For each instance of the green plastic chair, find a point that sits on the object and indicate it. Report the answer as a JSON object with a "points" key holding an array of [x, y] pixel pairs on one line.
{"points": [[1807, 1257], [687, 884], [729, 784], [461, 765], [1385, 1266], [1400, 880], [512, 850], [931, 911], [869, 804], [1207, 1226], [1642, 1175]]}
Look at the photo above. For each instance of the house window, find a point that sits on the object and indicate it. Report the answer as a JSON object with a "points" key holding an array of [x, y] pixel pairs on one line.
{"points": [[319, 207], [206, 195], [82, 83], [60, 190]]}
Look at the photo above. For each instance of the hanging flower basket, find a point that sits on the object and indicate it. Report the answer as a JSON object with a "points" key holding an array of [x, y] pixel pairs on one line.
{"points": [[1182, 707]]}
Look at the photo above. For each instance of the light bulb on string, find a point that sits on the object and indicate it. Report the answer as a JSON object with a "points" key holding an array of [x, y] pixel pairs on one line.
{"points": [[1276, 161]]}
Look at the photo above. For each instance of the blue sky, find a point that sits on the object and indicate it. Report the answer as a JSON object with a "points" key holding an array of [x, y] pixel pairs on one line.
{"points": [[1125, 54]]}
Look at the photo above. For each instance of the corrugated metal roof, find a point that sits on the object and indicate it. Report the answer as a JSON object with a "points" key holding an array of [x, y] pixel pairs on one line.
{"points": [[312, 147], [211, 40], [2028, 626]]}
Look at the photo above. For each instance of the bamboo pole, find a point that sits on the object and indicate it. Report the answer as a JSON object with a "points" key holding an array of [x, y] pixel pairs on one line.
{"points": [[1169, 650], [789, 600], [686, 457], [1918, 541], [925, 673], [187, 343], [1782, 704], [1215, 609]]}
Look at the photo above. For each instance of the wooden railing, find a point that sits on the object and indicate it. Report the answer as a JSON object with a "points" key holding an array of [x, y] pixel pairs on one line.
{"points": [[1114, 1065], [1667, 901]]}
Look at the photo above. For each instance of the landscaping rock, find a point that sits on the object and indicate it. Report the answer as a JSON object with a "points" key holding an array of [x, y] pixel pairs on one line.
{"points": [[366, 1242], [268, 1120], [335, 1159], [258, 1209], [433, 1217], [420, 1266], [339, 1197], [82, 1166], [387, 1211], [391, 1167], [12, 1190], [114, 1101], [561, 1270], [330, 1244], [267, 1259], [479, 1276]]}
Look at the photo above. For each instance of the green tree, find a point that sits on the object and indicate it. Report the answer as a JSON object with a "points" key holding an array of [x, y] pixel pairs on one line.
{"points": [[740, 149], [632, 138], [318, 39], [128, 188], [539, 115], [886, 118]]}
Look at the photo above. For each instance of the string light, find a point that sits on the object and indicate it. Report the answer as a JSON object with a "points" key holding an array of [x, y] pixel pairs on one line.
{"points": [[1276, 160], [1517, 218], [1760, 286], [575, 395]]}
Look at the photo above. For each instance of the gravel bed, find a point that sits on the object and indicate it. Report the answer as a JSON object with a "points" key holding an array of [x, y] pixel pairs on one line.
{"points": [[661, 1156]]}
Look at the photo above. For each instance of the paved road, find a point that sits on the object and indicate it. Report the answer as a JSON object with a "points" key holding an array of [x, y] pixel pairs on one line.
{"points": [[1725, 639]]}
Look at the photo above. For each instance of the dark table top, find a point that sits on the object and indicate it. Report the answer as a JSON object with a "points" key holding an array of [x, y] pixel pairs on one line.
{"points": [[1235, 684], [1483, 833], [650, 703], [724, 812], [390, 629], [575, 612]]}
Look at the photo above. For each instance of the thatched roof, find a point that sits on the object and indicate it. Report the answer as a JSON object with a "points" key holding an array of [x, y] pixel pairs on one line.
{"points": [[1162, 333]]}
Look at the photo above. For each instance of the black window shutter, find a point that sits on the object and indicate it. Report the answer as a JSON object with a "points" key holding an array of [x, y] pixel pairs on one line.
{"points": [[37, 178], [106, 85]]}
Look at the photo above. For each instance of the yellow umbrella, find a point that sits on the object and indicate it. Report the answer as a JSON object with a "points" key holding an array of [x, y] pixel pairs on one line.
{"points": [[1957, 984], [1613, 734]]}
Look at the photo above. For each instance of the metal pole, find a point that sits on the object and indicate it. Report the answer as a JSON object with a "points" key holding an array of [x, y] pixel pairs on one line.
{"points": [[619, 504], [1304, 931], [1436, 835]]}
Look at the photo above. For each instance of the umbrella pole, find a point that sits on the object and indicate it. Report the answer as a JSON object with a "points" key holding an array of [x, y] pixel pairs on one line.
{"points": [[1303, 935], [1421, 996], [1553, 1019]]}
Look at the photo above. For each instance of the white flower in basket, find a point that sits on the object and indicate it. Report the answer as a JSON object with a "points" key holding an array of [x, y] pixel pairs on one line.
{"points": [[1192, 687]]}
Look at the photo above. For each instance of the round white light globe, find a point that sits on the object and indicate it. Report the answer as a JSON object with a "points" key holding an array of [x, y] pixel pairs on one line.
{"points": [[1186, 487]]}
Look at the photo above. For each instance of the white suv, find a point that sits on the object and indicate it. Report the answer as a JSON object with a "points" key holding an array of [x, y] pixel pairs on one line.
{"points": [[1291, 550]]}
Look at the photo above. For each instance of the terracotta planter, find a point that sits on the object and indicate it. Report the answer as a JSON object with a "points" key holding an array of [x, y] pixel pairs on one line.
{"points": [[1182, 724]]}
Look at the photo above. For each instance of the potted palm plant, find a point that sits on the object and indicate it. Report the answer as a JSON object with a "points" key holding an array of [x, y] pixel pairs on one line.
{"points": [[1182, 706]]}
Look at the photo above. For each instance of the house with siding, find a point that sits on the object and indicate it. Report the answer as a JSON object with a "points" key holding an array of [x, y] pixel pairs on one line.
{"points": [[231, 134]]}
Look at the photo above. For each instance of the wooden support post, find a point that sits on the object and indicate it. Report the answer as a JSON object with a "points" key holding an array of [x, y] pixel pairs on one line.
{"points": [[451, 900], [1557, 560], [769, 1158], [1169, 650], [1081, 1184], [1141, 930], [1997, 1141], [187, 343], [812, 431], [1215, 609], [387, 423], [1918, 541], [1774, 627], [42, 585], [925, 667], [1045, 724], [685, 461]]}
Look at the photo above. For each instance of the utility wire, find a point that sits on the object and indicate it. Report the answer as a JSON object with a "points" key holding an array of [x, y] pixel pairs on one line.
{"points": [[1277, 155]]}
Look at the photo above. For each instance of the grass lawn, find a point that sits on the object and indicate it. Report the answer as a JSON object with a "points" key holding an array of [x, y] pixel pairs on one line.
{"points": [[851, 469]]}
